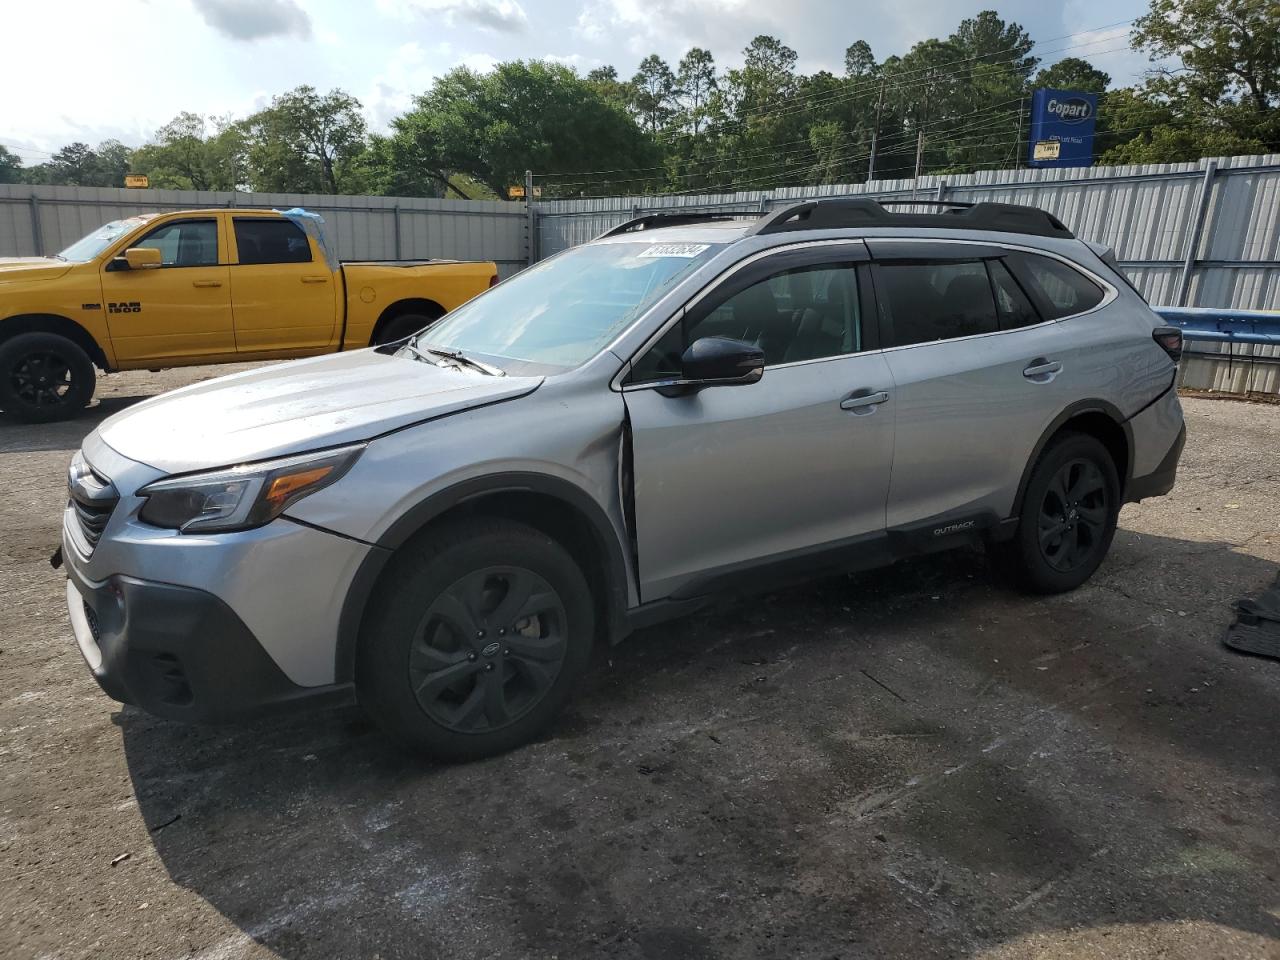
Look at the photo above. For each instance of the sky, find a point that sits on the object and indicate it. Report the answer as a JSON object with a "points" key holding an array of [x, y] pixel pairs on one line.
{"points": [[90, 70]]}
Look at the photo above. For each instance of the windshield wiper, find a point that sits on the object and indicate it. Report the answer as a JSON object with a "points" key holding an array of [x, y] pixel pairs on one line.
{"points": [[457, 357]]}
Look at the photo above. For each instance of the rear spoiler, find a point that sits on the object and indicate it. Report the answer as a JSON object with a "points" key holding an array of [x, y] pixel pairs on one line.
{"points": [[1108, 256]]}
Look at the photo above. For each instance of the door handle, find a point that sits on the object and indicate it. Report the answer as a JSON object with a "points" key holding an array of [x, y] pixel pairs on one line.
{"points": [[315, 279], [206, 283], [866, 402], [1042, 370]]}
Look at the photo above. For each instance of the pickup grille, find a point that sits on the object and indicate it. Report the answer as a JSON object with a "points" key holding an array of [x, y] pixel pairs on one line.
{"points": [[93, 498]]}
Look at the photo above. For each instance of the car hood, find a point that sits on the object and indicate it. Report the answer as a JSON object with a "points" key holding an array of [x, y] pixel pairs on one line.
{"points": [[298, 406], [13, 269]]}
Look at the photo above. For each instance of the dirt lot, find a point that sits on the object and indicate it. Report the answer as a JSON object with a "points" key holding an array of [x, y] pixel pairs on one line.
{"points": [[912, 763]]}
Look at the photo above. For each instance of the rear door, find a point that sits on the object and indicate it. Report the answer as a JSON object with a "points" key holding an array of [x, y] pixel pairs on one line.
{"points": [[979, 375], [284, 297], [727, 478], [180, 309]]}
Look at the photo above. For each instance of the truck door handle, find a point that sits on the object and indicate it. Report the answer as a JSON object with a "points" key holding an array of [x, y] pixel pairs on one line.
{"points": [[206, 283], [1042, 370], [864, 402], [315, 279]]}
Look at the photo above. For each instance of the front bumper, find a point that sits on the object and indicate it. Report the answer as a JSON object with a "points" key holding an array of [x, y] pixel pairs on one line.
{"points": [[180, 652]]}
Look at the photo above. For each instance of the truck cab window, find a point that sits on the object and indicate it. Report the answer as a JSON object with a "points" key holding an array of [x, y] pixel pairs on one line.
{"points": [[187, 243], [260, 240]]}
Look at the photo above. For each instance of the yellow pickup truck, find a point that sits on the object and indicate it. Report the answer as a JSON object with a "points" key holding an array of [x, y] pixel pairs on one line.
{"points": [[202, 286]]}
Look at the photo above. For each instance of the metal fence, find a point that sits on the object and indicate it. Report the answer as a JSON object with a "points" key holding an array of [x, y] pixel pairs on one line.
{"points": [[1187, 234], [42, 219]]}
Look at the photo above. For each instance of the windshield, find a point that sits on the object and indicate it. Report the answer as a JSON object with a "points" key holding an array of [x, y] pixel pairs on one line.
{"points": [[86, 248], [563, 311]]}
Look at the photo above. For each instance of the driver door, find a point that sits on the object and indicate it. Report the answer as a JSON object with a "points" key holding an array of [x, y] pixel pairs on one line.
{"points": [[727, 478], [180, 309]]}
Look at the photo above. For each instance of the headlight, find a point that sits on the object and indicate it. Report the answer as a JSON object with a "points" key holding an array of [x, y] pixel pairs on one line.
{"points": [[242, 497]]}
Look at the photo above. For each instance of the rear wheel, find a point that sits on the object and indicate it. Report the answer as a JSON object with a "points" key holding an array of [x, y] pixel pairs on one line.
{"points": [[1068, 516], [405, 325], [475, 640], [44, 377]]}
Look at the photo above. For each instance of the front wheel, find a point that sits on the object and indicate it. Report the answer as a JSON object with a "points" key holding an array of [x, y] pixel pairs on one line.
{"points": [[1068, 516], [44, 377], [475, 639]]}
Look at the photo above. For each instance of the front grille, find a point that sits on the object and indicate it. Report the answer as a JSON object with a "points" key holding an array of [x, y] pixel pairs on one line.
{"points": [[92, 519], [93, 498]]}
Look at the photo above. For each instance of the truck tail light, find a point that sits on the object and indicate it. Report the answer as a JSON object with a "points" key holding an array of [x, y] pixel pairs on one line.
{"points": [[1170, 340]]}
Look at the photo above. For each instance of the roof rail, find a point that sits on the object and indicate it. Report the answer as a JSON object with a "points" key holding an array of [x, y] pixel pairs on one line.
{"points": [[866, 212], [652, 220]]}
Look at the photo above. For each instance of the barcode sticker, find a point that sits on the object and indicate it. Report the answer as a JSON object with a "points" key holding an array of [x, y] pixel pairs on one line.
{"points": [[674, 249]]}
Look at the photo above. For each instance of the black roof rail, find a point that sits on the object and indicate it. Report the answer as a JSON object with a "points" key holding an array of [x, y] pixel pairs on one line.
{"points": [[866, 212], [653, 220]]}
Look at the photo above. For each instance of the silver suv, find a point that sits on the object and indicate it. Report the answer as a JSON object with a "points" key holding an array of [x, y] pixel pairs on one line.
{"points": [[441, 528]]}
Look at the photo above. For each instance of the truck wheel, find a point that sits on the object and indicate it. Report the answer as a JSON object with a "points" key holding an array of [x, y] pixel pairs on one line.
{"points": [[403, 326], [475, 639], [1068, 516], [44, 377]]}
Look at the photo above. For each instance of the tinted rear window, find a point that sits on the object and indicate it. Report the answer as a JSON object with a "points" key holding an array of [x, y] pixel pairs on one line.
{"points": [[935, 301], [1061, 290], [260, 240]]}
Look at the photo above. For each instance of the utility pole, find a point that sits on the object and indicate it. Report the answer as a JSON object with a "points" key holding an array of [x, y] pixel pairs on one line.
{"points": [[875, 134], [920, 130], [1017, 146]]}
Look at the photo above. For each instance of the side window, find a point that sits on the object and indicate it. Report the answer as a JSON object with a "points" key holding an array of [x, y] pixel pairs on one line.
{"points": [[1014, 307], [262, 240], [806, 313], [187, 243], [1062, 290], [937, 300]]}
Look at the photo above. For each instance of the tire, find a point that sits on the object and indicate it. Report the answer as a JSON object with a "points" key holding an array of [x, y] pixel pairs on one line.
{"points": [[44, 377], [1068, 516], [405, 325], [450, 663]]}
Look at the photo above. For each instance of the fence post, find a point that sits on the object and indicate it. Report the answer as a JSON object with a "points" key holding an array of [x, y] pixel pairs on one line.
{"points": [[531, 220], [37, 232], [941, 193], [395, 211], [1197, 228]]}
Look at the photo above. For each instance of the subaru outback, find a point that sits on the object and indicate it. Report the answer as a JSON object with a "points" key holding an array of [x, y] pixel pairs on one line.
{"points": [[440, 528]]}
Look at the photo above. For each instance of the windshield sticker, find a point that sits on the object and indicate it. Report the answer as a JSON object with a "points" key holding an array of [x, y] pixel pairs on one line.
{"points": [[674, 250]]}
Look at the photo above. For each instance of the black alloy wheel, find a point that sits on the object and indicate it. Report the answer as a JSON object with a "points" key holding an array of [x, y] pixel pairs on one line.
{"points": [[1073, 515], [44, 377], [488, 649]]}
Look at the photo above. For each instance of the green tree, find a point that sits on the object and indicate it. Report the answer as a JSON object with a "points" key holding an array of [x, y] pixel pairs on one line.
{"points": [[307, 142], [654, 93], [859, 61], [695, 85], [520, 116], [606, 83], [192, 152], [1072, 73], [1227, 89], [11, 170]]}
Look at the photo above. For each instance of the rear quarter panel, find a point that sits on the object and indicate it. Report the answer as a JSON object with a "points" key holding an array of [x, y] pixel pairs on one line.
{"points": [[372, 288]]}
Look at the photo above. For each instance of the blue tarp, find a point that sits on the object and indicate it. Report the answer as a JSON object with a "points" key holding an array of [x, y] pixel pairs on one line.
{"points": [[310, 224]]}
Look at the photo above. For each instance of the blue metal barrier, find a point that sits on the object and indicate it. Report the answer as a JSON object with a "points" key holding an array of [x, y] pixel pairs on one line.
{"points": [[1230, 326]]}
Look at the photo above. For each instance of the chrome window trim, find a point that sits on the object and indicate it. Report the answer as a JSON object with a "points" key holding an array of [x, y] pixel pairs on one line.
{"points": [[616, 384], [1109, 295]]}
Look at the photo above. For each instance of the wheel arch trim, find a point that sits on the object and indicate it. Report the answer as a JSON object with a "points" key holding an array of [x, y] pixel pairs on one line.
{"points": [[419, 516], [1072, 412]]}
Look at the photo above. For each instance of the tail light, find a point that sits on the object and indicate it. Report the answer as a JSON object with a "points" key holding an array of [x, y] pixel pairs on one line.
{"points": [[493, 280], [1170, 341]]}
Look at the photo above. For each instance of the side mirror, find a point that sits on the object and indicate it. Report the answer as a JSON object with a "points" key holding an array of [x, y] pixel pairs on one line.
{"points": [[720, 361], [140, 258]]}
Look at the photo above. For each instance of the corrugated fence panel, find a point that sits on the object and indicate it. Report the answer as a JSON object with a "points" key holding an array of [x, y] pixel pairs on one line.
{"points": [[363, 228]]}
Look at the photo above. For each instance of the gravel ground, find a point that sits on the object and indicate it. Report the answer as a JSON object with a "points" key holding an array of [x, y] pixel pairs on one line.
{"points": [[911, 763]]}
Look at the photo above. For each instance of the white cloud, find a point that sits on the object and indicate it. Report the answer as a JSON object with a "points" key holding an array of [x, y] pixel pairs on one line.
{"points": [[499, 16], [412, 69], [255, 19]]}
